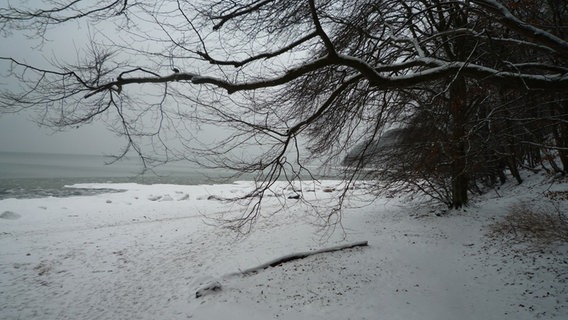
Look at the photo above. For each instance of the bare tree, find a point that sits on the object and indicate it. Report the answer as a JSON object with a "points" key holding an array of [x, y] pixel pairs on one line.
{"points": [[336, 72]]}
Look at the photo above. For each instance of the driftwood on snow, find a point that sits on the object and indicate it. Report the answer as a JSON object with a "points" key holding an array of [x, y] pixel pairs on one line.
{"points": [[215, 286], [299, 255]]}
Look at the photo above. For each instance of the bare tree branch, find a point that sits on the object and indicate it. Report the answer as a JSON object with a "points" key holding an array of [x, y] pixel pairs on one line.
{"points": [[289, 78]]}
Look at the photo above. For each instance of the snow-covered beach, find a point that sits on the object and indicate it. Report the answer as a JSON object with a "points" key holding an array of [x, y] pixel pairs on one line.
{"points": [[144, 253]]}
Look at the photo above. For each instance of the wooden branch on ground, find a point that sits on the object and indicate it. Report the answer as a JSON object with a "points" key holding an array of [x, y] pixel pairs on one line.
{"points": [[216, 286], [299, 255]]}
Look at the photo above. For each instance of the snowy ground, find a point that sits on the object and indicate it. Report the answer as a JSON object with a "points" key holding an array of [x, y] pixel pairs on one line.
{"points": [[143, 254]]}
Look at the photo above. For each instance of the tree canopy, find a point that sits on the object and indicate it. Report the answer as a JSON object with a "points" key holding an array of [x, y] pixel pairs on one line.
{"points": [[478, 86]]}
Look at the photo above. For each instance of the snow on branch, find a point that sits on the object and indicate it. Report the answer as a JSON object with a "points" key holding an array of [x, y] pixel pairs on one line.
{"points": [[436, 69], [218, 82], [528, 30]]}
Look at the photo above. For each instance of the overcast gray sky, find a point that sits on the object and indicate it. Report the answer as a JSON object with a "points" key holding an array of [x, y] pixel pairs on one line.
{"points": [[17, 131]]}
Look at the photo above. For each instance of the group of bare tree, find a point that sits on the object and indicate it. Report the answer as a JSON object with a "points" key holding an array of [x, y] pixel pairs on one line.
{"points": [[477, 87], [463, 133]]}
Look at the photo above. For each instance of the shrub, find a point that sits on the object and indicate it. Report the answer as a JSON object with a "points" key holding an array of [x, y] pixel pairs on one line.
{"points": [[542, 226]]}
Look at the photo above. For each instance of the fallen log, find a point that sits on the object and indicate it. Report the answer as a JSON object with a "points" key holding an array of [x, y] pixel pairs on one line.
{"points": [[299, 255], [211, 287]]}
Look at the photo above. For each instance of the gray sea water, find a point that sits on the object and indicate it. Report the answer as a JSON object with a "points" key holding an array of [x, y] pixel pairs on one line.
{"points": [[33, 175]]}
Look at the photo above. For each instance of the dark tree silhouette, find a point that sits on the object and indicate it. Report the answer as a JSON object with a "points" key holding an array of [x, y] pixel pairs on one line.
{"points": [[274, 71]]}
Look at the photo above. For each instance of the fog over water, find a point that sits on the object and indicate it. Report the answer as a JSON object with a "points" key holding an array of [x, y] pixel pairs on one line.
{"points": [[31, 175], [34, 175]]}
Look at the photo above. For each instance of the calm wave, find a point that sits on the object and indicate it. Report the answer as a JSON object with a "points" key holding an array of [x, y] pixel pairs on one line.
{"points": [[33, 175]]}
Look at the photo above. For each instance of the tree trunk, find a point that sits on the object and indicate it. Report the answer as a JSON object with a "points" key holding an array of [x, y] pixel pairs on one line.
{"points": [[512, 164], [459, 174], [561, 137]]}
